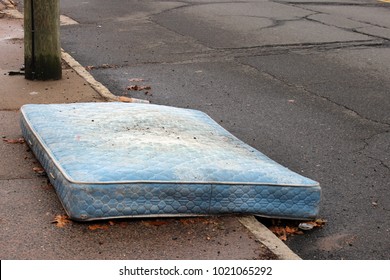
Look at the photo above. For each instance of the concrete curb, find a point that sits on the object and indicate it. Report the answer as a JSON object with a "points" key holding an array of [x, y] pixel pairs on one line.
{"points": [[265, 236], [82, 72], [97, 86]]}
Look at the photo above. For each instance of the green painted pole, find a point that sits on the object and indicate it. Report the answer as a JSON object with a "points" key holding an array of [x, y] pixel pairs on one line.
{"points": [[42, 49]]}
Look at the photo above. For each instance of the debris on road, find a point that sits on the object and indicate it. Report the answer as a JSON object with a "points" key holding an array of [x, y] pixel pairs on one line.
{"points": [[61, 220], [14, 141], [131, 100], [98, 226], [136, 80], [139, 88], [286, 228]]}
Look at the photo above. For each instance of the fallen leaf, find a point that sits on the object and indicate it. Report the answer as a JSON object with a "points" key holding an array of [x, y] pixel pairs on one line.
{"points": [[314, 224], [106, 66], [155, 223], [280, 232], [139, 88], [136, 80], [90, 67], [125, 99], [132, 87], [132, 100], [39, 170], [61, 220], [14, 141], [205, 221], [97, 226], [293, 230]]}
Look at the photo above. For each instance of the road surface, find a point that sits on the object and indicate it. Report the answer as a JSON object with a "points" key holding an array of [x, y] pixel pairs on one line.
{"points": [[304, 81]]}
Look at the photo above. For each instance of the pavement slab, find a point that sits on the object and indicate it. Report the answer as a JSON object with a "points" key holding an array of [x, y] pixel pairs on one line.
{"points": [[24, 91], [16, 90], [34, 226]]}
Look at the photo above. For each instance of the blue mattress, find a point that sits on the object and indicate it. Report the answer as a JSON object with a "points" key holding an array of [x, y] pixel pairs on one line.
{"points": [[115, 160]]}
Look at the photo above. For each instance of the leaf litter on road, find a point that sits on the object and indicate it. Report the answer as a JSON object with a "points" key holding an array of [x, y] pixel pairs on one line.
{"points": [[284, 229], [136, 80], [98, 226], [155, 223], [103, 66], [138, 88], [39, 170], [61, 221]]}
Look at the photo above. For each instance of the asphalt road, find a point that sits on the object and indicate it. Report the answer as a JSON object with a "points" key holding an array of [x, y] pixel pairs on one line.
{"points": [[305, 82]]}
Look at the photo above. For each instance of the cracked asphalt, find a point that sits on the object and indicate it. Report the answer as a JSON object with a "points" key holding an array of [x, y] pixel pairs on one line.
{"points": [[305, 82]]}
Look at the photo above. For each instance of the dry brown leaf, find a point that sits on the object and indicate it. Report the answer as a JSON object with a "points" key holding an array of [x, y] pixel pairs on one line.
{"points": [[155, 223], [136, 80], [320, 222], [14, 141], [106, 66], [138, 88], [284, 231], [39, 170], [89, 67], [293, 230], [61, 220], [188, 221], [280, 232], [132, 100], [132, 87], [98, 226], [191, 221], [125, 99]]}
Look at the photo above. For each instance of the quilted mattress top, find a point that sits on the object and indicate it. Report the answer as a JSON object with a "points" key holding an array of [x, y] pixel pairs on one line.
{"points": [[103, 143]]}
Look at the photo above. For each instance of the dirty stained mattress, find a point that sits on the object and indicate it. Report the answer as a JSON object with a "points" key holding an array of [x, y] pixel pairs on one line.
{"points": [[114, 160]]}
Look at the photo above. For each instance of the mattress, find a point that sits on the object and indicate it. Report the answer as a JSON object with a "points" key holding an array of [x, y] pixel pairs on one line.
{"points": [[120, 160]]}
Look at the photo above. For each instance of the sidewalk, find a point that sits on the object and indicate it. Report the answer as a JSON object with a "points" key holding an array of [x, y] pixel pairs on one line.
{"points": [[33, 224]]}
